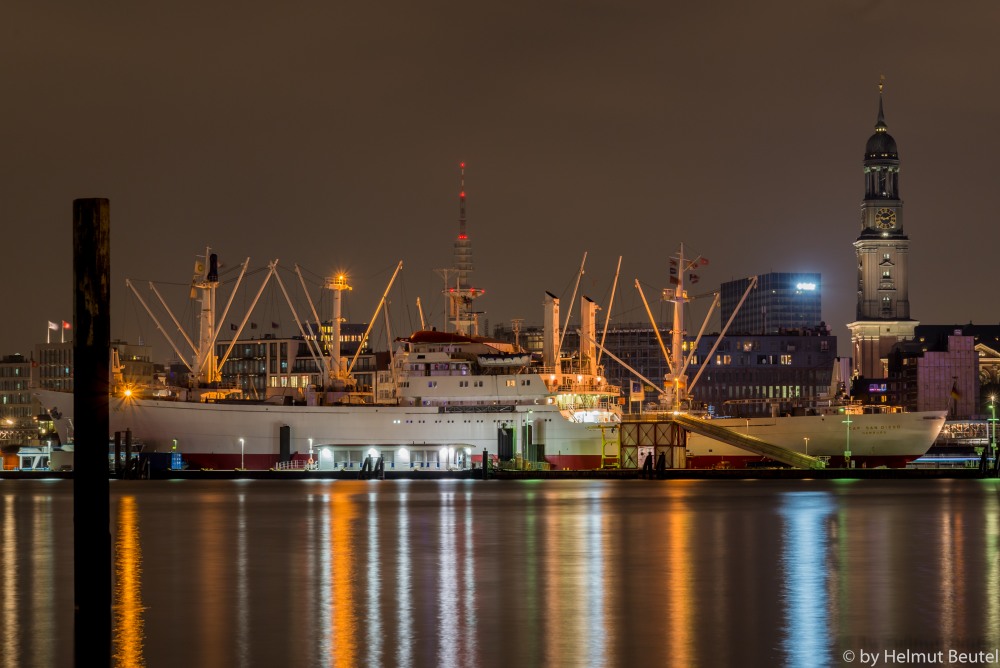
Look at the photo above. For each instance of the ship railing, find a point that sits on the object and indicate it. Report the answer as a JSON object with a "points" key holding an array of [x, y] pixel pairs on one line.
{"points": [[608, 404], [296, 465], [421, 465], [587, 387]]}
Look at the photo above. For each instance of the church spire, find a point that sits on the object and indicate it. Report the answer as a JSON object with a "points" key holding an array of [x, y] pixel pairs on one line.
{"points": [[882, 248], [880, 125]]}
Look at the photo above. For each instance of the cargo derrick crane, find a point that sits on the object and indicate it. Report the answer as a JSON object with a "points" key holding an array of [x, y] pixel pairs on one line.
{"points": [[201, 362]]}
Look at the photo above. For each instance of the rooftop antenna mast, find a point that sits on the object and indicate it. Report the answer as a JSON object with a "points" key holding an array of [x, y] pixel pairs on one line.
{"points": [[515, 326], [460, 295]]}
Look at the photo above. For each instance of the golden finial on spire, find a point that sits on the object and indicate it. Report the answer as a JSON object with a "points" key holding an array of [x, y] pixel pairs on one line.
{"points": [[881, 83]]}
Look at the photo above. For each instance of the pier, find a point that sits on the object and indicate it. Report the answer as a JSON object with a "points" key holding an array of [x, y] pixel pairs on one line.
{"points": [[667, 433]]}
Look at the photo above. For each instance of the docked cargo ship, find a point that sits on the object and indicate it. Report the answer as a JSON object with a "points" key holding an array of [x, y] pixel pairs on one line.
{"points": [[456, 396], [454, 402]]}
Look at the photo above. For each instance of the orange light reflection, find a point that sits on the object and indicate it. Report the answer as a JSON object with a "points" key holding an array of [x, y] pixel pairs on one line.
{"points": [[678, 583], [128, 624], [345, 630]]}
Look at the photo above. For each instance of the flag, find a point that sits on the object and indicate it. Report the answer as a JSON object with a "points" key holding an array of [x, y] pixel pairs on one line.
{"points": [[232, 327], [274, 325], [53, 325], [200, 270], [66, 325], [955, 394], [635, 391]]}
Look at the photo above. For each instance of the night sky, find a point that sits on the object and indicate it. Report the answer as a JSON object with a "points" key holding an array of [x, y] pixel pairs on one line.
{"points": [[328, 134]]}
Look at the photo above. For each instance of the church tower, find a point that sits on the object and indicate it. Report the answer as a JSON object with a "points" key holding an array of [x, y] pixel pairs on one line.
{"points": [[883, 313]]}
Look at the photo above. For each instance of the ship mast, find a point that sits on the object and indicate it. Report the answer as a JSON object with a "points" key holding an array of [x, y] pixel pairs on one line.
{"points": [[677, 388], [206, 279], [675, 381], [337, 284], [460, 294]]}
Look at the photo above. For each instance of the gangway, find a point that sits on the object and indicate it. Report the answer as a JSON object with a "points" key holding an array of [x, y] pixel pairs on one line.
{"points": [[746, 442]]}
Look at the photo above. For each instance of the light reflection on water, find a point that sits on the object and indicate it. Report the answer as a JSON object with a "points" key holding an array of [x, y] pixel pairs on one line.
{"points": [[991, 561], [805, 566], [679, 580], [344, 574], [466, 573], [10, 645], [127, 622]]}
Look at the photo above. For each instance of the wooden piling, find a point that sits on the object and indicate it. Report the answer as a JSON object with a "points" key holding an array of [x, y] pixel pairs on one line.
{"points": [[92, 565]]}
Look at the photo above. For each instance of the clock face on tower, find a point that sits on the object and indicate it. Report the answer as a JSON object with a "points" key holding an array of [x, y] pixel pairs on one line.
{"points": [[885, 219]]}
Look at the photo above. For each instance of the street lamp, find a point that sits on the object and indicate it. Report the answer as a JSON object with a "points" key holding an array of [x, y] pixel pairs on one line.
{"points": [[241, 454], [993, 421], [847, 447], [806, 439]]}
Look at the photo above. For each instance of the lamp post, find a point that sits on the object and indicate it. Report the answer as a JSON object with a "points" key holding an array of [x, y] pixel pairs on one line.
{"points": [[847, 447], [241, 454], [993, 423], [806, 439]]}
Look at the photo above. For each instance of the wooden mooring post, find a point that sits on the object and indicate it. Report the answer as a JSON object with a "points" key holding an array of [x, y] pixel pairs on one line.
{"points": [[92, 562]]}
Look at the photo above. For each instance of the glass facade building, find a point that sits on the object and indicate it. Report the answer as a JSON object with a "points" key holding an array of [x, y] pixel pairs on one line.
{"points": [[781, 302]]}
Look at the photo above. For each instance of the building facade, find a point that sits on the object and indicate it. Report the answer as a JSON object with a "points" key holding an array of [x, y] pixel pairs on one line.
{"points": [[947, 367], [53, 369], [755, 375], [780, 302], [53, 365], [270, 366], [882, 249], [18, 407]]}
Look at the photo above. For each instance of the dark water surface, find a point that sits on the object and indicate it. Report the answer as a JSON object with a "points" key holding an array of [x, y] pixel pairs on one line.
{"points": [[553, 573]]}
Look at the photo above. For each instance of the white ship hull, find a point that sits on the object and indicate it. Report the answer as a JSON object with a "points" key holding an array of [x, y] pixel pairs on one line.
{"points": [[879, 439], [208, 435]]}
